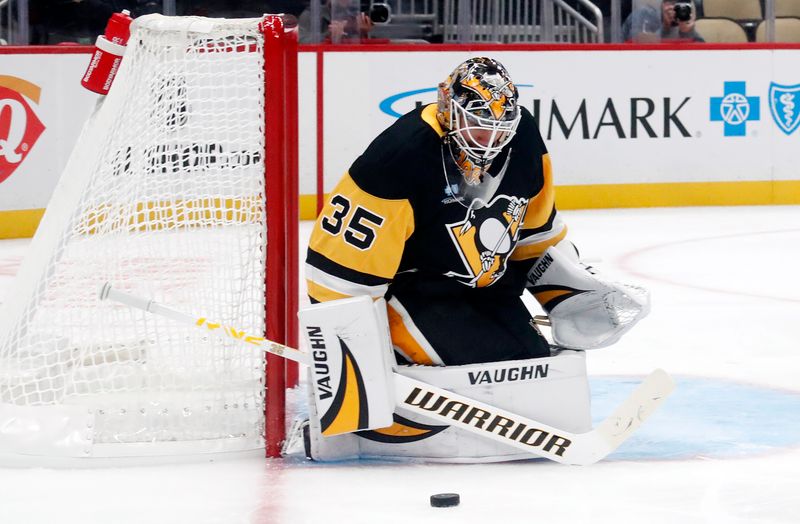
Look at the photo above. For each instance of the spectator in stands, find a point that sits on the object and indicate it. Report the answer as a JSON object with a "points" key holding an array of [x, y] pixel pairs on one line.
{"points": [[341, 20], [671, 22]]}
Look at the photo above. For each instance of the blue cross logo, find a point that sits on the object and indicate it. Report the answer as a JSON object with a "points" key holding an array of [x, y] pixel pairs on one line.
{"points": [[735, 108]]}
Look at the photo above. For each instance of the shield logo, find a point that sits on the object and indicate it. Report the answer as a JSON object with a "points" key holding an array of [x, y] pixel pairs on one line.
{"points": [[20, 128], [784, 102]]}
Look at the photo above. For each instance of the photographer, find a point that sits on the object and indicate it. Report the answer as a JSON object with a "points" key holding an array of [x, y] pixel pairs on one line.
{"points": [[672, 21], [340, 21]]}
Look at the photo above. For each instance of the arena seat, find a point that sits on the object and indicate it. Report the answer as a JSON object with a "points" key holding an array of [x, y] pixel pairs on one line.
{"points": [[784, 8], [720, 30], [786, 30], [733, 9]]}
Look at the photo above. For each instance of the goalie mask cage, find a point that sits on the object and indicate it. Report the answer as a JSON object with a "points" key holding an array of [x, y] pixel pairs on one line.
{"points": [[182, 188]]}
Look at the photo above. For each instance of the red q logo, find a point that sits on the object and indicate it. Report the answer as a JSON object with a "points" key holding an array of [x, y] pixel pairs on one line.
{"points": [[20, 128]]}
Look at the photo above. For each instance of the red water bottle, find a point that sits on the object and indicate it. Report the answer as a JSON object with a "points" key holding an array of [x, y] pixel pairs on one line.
{"points": [[108, 52]]}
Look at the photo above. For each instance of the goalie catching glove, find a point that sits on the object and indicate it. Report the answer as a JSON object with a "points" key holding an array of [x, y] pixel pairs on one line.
{"points": [[585, 310]]}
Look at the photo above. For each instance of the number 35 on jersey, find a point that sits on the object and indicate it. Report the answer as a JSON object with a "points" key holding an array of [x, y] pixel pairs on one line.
{"points": [[363, 233], [356, 222]]}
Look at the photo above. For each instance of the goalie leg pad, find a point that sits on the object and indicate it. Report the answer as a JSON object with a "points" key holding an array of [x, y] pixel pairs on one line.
{"points": [[585, 310], [350, 370], [326, 449], [553, 390]]}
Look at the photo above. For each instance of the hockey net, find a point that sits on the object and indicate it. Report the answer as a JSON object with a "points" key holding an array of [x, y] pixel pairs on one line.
{"points": [[179, 189]]}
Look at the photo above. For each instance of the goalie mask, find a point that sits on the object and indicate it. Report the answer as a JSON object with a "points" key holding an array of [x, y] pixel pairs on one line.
{"points": [[478, 107]]}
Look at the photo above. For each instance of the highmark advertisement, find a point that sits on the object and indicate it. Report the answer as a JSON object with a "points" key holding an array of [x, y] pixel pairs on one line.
{"points": [[693, 126], [608, 117]]}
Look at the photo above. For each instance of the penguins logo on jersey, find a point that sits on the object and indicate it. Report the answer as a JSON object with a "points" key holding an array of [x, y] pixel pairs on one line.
{"points": [[485, 239]]}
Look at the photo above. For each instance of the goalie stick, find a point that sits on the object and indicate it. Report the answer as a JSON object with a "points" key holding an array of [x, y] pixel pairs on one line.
{"points": [[453, 409]]}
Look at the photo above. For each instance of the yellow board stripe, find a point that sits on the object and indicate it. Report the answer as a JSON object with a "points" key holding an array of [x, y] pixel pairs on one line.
{"points": [[144, 216], [23, 223], [748, 193], [603, 196], [19, 224], [168, 214], [308, 207]]}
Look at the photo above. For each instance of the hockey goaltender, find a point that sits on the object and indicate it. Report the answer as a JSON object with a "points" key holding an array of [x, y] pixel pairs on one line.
{"points": [[443, 222]]}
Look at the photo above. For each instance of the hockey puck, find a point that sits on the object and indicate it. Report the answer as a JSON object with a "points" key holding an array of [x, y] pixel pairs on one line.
{"points": [[445, 500]]}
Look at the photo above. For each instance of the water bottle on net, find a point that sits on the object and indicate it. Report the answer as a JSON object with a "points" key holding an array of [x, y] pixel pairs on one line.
{"points": [[107, 56]]}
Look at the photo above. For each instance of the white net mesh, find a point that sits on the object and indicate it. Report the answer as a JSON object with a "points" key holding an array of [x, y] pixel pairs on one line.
{"points": [[173, 209]]}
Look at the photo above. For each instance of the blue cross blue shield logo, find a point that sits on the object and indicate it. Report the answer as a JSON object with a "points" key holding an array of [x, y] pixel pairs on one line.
{"points": [[784, 102], [735, 108]]}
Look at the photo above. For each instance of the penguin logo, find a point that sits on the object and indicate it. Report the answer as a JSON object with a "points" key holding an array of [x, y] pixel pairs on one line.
{"points": [[485, 239]]}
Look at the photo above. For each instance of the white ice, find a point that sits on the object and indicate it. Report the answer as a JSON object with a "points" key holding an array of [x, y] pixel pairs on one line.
{"points": [[725, 319]]}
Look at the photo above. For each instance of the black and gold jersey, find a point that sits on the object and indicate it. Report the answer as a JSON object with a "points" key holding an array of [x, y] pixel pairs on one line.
{"points": [[394, 224]]}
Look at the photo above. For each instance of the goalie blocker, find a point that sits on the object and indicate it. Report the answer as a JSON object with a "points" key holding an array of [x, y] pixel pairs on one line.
{"points": [[351, 379]]}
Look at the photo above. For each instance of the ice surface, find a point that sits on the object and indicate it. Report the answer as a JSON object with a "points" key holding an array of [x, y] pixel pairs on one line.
{"points": [[725, 448]]}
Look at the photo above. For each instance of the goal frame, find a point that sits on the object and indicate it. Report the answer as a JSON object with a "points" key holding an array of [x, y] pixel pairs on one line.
{"points": [[281, 182], [280, 177]]}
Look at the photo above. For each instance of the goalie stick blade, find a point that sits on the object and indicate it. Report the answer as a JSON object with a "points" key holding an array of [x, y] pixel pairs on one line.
{"points": [[627, 418], [532, 436]]}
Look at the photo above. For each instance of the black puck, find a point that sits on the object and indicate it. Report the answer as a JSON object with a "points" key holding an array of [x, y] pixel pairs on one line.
{"points": [[445, 500]]}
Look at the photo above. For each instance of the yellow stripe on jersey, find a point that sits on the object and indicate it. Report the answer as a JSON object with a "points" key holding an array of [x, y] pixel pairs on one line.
{"points": [[536, 249], [323, 286], [363, 232], [322, 294], [541, 206], [539, 211], [429, 117], [404, 340]]}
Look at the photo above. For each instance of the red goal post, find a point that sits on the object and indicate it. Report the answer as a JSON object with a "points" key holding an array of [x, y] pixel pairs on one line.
{"points": [[281, 113]]}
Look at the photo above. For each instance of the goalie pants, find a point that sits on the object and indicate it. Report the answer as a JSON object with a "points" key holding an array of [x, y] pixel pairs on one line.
{"points": [[461, 330]]}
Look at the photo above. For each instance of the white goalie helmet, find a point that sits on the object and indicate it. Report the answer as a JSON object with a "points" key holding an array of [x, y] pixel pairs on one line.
{"points": [[478, 107]]}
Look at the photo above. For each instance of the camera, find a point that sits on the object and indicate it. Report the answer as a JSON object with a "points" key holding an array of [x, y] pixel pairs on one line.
{"points": [[683, 11], [380, 13]]}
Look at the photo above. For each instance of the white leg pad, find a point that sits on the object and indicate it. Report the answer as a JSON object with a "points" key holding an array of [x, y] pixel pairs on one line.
{"points": [[327, 449], [553, 390], [349, 344]]}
